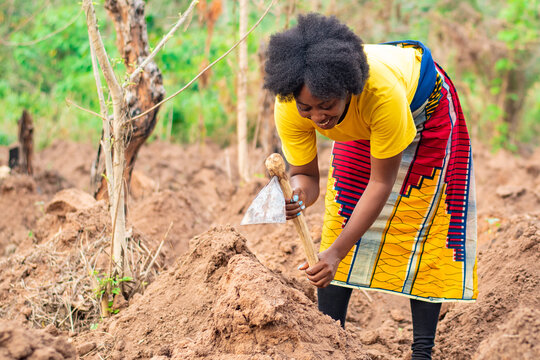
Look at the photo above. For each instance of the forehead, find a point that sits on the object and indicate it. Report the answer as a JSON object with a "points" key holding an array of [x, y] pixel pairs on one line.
{"points": [[306, 97]]}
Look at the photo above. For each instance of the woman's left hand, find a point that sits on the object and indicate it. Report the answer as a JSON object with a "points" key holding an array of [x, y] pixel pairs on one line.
{"points": [[322, 273]]}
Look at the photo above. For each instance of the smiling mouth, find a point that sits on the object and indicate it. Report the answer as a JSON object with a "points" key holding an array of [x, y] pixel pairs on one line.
{"points": [[324, 123]]}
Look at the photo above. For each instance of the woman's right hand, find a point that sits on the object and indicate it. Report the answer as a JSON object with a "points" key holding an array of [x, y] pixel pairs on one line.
{"points": [[296, 204], [322, 273]]}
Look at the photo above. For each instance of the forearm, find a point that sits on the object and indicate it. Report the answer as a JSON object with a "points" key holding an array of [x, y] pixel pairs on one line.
{"points": [[309, 184], [305, 181], [364, 215]]}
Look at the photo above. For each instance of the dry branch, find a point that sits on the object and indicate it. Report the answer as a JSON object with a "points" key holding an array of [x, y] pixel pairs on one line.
{"points": [[117, 202], [48, 36], [241, 105], [29, 18], [209, 66], [70, 102], [106, 138], [103, 59], [161, 44]]}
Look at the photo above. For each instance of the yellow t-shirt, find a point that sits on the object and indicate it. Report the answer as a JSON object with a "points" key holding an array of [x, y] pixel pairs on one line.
{"points": [[380, 113]]}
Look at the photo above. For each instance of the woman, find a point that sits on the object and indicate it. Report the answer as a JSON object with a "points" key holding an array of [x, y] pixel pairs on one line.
{"points": [[400, 206]]}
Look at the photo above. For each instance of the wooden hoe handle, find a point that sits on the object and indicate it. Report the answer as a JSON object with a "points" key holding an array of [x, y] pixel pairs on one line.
{"points": [[276, 167]]}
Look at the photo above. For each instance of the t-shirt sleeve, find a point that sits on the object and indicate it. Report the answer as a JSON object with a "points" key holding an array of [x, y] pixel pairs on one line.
{"points": [[298, 138], [392, 125]]}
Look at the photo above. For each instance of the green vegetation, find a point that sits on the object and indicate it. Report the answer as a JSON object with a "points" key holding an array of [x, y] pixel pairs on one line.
{"points": [[108, 285], [489, 47]]}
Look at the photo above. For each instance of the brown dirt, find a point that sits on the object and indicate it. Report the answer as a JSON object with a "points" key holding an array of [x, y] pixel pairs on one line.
{"points": [[221, 302], [509, 298], [19, 343], [236, 294], [20, 208]]}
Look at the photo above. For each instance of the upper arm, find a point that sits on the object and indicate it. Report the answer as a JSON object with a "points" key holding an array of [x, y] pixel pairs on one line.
{"points": [[385, 170], [310, 169], [299, 142], [392, 125]]}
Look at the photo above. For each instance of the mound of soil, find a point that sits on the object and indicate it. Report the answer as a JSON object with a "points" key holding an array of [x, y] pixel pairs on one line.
{"points": [[220, 302], [20, 208], [502, 322], [47, 280], [506, 185], [54, 278], [518, 335], [17, 342]]}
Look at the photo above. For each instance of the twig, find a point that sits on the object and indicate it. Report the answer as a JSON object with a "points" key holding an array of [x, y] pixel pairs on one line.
{"points": [[33, 42], [103, 59], [145, 274], [169, 125], [106, 143], [69, 102], [161, 44], [70, 316], [228, 166], [367, 295], [112, 259], [208, 67], [28, 19]]}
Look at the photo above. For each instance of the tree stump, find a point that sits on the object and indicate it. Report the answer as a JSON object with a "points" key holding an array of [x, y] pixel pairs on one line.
{"points": [[20, 156]]}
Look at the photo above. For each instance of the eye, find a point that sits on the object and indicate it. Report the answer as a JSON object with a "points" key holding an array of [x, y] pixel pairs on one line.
{"points": [[303, 109], [327, 106]]}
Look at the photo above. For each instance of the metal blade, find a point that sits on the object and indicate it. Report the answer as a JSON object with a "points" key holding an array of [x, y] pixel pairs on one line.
{"points": [[268, 206]]}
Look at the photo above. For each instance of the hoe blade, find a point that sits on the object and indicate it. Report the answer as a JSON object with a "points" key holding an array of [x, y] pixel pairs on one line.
{"points": [[268, 206]]}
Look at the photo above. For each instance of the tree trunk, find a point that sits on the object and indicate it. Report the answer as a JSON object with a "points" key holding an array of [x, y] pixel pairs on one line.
{"points": [[117, 204], [132, 42], [26, 143], [241, 95], [268, 135], [516, 92]]}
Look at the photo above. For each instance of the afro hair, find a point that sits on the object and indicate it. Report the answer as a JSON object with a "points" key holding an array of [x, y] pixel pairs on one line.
{"points": [[319, 52]]}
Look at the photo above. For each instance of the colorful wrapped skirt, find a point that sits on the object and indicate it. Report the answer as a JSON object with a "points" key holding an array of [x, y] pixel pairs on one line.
{"points": [[423, 244]]}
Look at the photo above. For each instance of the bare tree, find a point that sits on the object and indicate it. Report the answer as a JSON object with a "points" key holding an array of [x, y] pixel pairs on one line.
{"points": [[118, 140], [134, 105], [265, 131], [241, 97], [145, 89]]}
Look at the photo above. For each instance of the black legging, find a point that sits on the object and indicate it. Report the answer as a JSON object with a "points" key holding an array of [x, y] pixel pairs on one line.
{"points": [[334, 300]]}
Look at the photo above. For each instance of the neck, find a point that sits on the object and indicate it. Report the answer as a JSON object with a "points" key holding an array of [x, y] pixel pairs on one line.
{"points": [[346, 109]]}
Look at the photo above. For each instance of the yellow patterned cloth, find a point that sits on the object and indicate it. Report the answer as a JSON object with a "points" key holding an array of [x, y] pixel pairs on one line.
{"points": [[423, 245]]}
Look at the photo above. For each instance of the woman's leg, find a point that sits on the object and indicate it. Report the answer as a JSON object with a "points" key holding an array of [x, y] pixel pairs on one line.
{"points": [[333, 301], [425, 316]]}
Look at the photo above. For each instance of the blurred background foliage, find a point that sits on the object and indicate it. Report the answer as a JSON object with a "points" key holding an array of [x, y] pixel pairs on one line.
{"points": [[489, 47]]}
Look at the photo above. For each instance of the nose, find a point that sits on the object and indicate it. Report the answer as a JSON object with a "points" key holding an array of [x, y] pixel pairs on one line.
{"points": [[317, 116]]}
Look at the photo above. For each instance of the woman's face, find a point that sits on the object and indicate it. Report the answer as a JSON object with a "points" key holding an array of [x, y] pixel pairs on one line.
{"points": [[324, 113]]}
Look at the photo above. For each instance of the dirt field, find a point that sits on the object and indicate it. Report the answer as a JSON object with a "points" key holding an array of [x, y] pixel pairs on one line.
{"points": [[219, 290]]}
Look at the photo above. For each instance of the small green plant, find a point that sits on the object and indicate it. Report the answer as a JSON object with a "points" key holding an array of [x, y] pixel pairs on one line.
{"points": [[109, 285], [114, 283]]}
